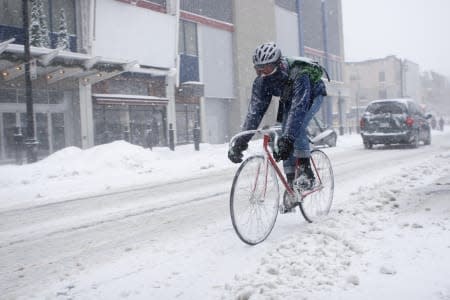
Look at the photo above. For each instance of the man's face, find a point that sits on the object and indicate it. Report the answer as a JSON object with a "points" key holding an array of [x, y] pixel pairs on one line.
{"points": [[265, 70]]}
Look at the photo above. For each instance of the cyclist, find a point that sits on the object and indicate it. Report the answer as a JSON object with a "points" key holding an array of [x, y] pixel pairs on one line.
{"points": [[297, 81]]}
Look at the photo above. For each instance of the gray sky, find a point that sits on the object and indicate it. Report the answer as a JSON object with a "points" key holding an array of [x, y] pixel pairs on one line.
{"points": [[418, 30]]}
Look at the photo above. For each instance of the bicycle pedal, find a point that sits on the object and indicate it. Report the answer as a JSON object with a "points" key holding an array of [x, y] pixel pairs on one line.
{"points": [[285, 210]]}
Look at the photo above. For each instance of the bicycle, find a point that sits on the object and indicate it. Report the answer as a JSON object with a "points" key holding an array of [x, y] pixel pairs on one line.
{"points": [[255, 192]]}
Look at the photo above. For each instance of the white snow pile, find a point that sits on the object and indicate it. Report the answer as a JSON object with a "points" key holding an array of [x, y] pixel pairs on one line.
{"points": [[370, 247], [98, 169]]}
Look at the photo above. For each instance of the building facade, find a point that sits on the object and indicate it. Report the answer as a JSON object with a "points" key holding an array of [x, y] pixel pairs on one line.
{"points": [[115, 81], [383, 78], [206, 56], [300, 28], [142, 70]]}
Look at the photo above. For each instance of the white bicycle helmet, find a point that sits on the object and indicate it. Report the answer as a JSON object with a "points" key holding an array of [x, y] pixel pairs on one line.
{"points": [[266, 53]]}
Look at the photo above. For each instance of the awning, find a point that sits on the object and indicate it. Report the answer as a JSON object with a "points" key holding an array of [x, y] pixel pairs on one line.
{"points": [[57, 64]]}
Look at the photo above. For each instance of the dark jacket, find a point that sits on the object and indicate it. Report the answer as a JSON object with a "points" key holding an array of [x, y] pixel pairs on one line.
{"points": [[296, 92]]}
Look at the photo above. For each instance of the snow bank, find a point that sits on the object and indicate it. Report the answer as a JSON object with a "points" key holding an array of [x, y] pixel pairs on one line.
{"points": [[344, 256], [73, 172]]}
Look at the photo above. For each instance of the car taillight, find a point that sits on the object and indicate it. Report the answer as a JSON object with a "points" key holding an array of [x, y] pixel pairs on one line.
{"points": [[409, 121], [362, 123]]}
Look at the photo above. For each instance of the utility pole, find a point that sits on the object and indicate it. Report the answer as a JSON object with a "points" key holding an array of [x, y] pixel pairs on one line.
{"points": [[328, 104], [401, 79], [301, 39], [341, 113], [30, 141]]}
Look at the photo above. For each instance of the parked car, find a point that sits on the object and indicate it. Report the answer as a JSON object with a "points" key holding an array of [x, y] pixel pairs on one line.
{"points": [[394, 121]]}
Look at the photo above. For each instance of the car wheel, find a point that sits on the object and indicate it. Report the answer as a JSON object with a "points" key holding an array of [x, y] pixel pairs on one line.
{"points": [[368, 144], [415, 141]]}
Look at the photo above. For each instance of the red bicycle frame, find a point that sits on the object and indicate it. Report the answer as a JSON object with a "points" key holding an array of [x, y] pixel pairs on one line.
{"points": [[272, 161]]}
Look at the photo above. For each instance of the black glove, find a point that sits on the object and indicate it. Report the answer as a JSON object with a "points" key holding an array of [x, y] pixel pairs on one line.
{"points": [[285, 148], [235, 152]]}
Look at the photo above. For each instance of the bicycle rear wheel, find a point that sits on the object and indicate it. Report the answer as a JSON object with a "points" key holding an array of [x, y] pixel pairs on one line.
{"points": [[254, 200], [318, 203]]}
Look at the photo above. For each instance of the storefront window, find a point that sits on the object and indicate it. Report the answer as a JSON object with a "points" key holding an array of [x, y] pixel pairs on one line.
{"points": [[9, 126], [187, 116], [55, 97], [138, 124], [42, 134], [40, 96], [8, 96]]}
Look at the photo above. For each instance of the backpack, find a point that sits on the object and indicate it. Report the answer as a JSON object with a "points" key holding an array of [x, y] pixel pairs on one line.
{"points": [[297, 66], [300, 65]]}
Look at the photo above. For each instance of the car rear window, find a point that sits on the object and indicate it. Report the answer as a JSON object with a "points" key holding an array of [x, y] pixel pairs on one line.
{"points": [[386, 107]]}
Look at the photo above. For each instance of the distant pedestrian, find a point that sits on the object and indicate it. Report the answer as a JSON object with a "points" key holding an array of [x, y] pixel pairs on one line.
{"points": [[441, 124], [149, 137], [433, 123], [152, 134]]}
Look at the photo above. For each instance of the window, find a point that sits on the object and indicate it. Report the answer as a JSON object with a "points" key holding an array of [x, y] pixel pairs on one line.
{"points": [[189, 69], [381, 76], [160, 2], [8, 96], [69, 10], [187, 117], [386, 107], [11, 13], [188, 38], [40, 96], [287, 4], [216, 9], [11, 20]]}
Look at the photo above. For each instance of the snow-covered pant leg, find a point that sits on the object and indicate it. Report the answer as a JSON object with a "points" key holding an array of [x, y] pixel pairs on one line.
{"points": [[301, 144]]}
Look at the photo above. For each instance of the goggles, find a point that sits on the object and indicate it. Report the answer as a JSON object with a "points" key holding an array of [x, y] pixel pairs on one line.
{"points": [[265, 70]]}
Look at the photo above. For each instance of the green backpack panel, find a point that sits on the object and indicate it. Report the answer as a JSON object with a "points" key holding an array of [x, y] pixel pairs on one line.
{"points": [[301, 65]]}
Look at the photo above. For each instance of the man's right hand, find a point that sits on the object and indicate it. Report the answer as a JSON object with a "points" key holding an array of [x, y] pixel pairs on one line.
{"points": [[235, 152], [285, 148]]}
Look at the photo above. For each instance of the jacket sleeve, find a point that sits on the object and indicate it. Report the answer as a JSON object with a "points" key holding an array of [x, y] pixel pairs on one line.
{"points": [[259, 103], [301, 96]]}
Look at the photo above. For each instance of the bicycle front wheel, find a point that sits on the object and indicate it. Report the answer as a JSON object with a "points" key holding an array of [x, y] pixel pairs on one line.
{"points": [[254, 200], [318, 203]]}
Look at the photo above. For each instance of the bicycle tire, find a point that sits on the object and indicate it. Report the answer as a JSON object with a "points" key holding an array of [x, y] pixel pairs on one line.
{"points": [[318, 203], [254, 200]]}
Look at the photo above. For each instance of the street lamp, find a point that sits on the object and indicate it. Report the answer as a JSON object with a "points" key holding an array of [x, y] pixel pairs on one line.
{"points": [[30, 141]]}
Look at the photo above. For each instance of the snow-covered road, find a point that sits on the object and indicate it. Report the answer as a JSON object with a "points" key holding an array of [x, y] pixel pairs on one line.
{"points": [[173, 239]]}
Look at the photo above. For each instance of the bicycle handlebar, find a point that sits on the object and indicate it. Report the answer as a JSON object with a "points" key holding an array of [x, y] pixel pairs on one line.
{"points": [[275, 130], [261, 131]]}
